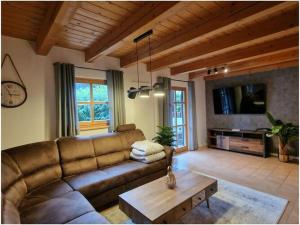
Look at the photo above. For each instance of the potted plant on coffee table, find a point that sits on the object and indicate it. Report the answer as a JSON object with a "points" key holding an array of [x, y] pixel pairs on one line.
{"points": [[165, 137], [285, 132]]}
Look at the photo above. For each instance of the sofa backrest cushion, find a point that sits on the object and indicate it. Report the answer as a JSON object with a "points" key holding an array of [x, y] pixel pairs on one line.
{"points": [[77, 155], [109, 149], [126, 127], [107, 143], [114, 148], [131, 136], [38, 162], [112, 158], [13, 186]]}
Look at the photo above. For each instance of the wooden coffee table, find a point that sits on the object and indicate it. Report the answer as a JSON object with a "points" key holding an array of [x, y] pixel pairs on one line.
{"points": [[154, 202]]}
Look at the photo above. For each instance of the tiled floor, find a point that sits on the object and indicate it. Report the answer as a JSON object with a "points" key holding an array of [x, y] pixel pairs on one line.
{"points": [[263, 174]]}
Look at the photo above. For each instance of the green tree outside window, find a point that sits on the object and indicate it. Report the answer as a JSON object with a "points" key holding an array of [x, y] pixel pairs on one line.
{"points": [[92, 102]]}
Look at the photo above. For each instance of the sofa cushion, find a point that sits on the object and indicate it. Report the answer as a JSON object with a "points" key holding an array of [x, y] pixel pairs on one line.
{"points": [[57, 210], [114, 148], [131, 136], [126, 127], [12, 183], [77, 155], [108, 143], [45, 193], [90, 218], [112, 158], [95, 182], [115, 142], [38, 163], [9, 212], [101, 200], [10, 171], [132, 170]]}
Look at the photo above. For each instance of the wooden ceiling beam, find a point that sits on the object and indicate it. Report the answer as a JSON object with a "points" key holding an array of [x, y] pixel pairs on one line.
{"points": [[238, 54], [278, 57], [144, 19], [253, 70], [269, 28], [58, 15], [237, 15]]}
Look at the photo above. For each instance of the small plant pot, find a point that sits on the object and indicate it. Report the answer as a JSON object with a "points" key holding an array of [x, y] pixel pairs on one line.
{"points": [[283, 153]]}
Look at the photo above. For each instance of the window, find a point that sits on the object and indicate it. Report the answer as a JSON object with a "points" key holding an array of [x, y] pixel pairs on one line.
{"points": [[92, 104], [179, 117]]}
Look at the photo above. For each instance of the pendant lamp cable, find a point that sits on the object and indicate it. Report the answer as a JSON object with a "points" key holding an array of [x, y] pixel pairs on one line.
{"points": [[137, 63], [150, 69], [153, 100]]}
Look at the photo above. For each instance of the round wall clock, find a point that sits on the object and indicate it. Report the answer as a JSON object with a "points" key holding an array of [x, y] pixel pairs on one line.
{"points": [[13, 94]]}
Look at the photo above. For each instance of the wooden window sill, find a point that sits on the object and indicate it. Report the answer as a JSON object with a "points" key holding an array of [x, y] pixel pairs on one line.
{"points": [[93, 128]]}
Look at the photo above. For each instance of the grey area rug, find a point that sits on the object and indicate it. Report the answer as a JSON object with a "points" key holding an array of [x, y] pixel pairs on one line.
{"points": [[232, 203]]}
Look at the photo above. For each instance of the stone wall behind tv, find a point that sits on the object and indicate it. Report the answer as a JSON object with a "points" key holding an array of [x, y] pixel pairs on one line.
{"points": [[282, 100]]}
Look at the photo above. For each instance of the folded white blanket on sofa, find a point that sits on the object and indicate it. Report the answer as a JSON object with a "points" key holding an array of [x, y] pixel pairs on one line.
{"points": [[142, 153], [148, 147], [148, 158]]}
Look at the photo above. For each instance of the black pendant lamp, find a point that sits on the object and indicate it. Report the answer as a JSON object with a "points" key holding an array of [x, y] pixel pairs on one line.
{"points": [[144, 91]]}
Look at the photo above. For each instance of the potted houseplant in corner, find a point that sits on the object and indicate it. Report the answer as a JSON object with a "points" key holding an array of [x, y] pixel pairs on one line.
{"points": [[165, 136], [286, 132]]}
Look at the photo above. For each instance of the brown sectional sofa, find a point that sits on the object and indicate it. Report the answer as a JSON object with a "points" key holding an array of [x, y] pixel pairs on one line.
{"points": [[63, 181]]}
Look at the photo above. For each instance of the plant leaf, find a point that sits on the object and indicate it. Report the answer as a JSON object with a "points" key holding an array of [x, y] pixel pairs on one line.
{"points": [[271, 119]]}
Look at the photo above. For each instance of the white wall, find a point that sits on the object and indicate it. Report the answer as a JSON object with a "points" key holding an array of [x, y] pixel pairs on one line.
{"points": [[35, 120], [26, 123]]}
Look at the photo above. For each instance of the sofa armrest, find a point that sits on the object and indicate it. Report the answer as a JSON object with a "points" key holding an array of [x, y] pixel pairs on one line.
{"points": [[169, 154]]}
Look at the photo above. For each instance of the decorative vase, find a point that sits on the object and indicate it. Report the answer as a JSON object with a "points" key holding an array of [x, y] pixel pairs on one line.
{"points": [[283, 152], [171, 180]]}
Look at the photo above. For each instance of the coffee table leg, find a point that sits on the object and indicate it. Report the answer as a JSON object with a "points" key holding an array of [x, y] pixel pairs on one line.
{"points": [[207, 203]]}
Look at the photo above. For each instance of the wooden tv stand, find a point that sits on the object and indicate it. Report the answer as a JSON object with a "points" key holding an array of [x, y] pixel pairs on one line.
{"points": [[245, 141]]}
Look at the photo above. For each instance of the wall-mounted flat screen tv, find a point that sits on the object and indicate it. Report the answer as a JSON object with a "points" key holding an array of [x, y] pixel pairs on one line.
{"points": [[244, 99]]}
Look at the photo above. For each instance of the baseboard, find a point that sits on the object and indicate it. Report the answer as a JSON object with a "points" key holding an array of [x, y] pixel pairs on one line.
{"points": [[292, 157]]}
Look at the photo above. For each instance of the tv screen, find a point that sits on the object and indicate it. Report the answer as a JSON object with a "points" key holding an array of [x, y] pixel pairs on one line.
{"points": [[245, 99]]}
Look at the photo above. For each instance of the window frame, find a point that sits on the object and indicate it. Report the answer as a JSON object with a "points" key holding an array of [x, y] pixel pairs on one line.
{"points": [[93, 124], [185, 125]]}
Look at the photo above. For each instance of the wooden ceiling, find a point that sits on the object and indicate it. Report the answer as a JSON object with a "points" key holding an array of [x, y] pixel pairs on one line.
{"points": [[188, 37]]}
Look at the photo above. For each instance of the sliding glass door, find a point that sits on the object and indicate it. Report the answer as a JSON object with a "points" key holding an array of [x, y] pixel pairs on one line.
{"points": [[179, 117]]}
